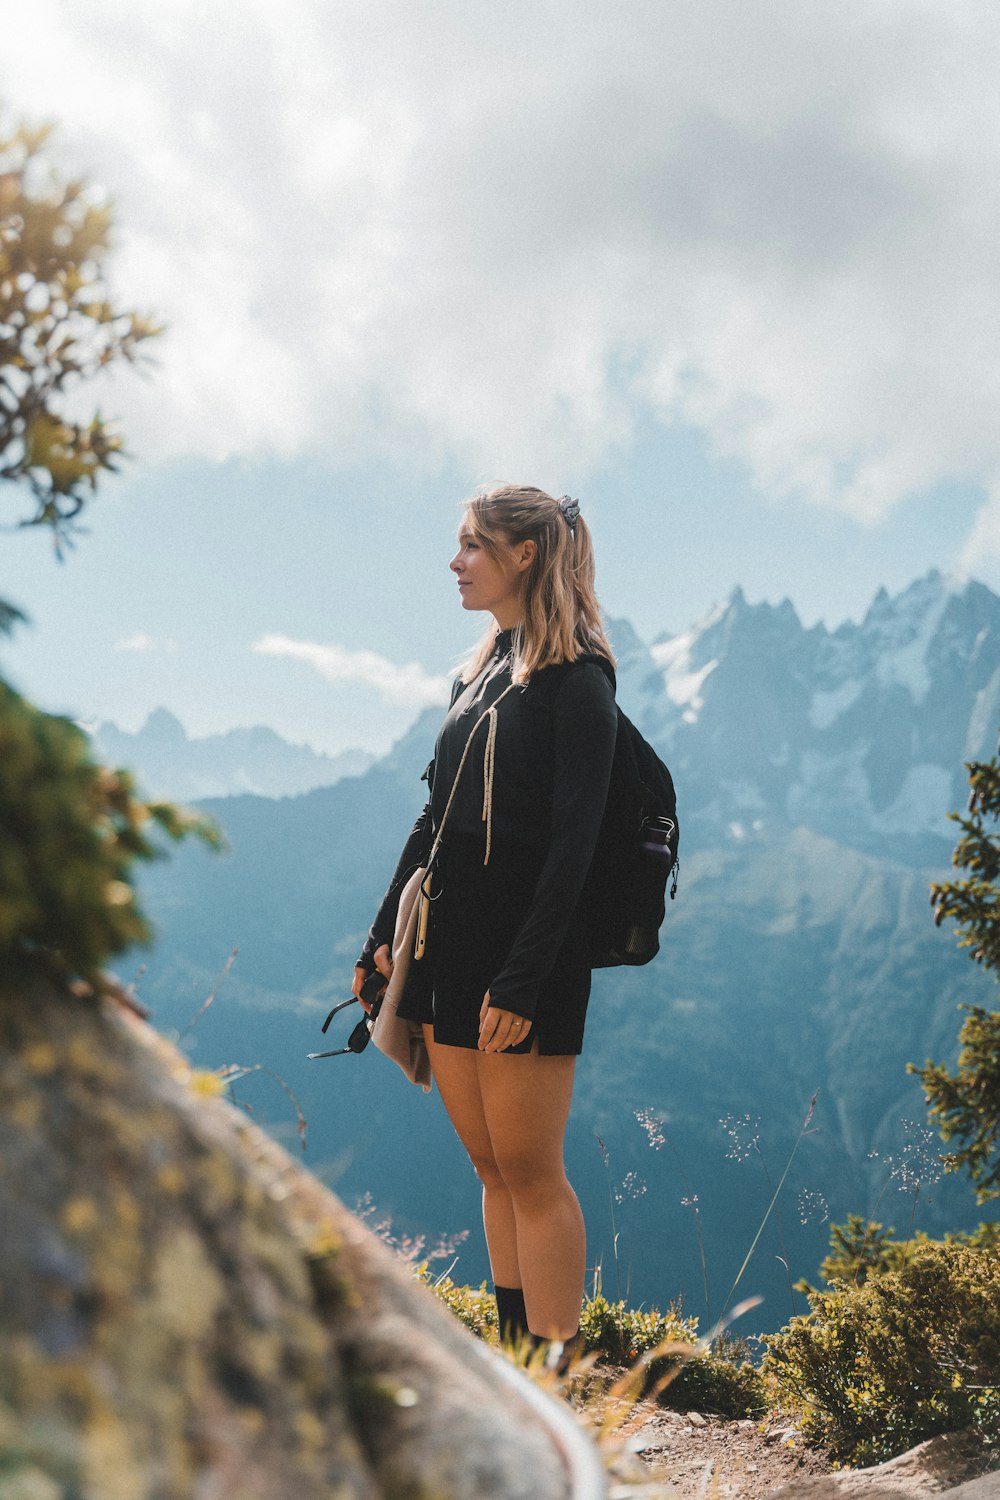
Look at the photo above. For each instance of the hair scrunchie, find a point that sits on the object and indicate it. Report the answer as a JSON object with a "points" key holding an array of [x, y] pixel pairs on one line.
{"points": [[570, 510]]}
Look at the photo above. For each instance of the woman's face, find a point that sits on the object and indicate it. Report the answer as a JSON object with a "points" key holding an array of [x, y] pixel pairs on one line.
{"points": [[486, 582]]}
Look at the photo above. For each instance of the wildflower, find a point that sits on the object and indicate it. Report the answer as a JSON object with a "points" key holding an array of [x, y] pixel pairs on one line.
{"points": [[652, 1124], [744, 1135], [813, 1207], [631, 1187], [917, 1165]]}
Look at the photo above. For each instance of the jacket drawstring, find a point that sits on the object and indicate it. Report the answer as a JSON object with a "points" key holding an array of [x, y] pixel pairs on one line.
{"points": [[489, 760]]}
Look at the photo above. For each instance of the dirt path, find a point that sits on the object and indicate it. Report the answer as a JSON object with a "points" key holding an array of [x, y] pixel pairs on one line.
{"points": [[699, 1457]]}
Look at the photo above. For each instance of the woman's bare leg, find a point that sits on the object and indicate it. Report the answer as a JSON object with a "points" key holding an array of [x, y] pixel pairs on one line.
{"points": [[525, 1101], [456, 1074]]}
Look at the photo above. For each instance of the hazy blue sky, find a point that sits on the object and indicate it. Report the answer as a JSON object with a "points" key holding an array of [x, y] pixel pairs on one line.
{"points": [[727, 272]]}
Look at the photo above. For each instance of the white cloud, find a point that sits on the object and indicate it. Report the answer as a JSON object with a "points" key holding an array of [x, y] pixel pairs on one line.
{"points": [[982, 546], [408, 686], [505, 236], [143, 641]]}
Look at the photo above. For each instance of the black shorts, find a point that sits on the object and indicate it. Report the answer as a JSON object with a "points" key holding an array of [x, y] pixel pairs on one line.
{"points": [[476, 914]]}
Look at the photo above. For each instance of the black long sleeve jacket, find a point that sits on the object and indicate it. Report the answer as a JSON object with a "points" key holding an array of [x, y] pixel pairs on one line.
{"points": [[555, 741]]}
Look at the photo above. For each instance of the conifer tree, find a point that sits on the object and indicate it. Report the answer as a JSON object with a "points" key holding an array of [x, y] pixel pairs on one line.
{"points": [[965, 1105]]}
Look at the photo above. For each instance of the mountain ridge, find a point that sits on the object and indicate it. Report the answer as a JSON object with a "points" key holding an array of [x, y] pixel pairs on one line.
{"points": [[860, 731], [254, 758]]}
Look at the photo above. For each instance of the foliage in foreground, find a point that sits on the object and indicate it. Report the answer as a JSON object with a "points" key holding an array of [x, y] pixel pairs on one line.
{"points": [[965, 1104], [71, 833], [473, 1306], [721, 1381], [875, 1369], [58, 327]]}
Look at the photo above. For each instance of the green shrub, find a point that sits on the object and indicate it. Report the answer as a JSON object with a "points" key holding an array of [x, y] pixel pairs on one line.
{"points": [[720, 1381], [877, 1368], [71, 831], [623, 1334], [477, 1309]]}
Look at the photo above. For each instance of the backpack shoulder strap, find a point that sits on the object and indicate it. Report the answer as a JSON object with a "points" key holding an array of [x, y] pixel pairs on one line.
{"points": [[601, 661], [545, 684]]}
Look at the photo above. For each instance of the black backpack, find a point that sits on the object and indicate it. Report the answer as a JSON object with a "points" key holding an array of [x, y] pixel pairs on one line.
{"points": [[624, 896]]}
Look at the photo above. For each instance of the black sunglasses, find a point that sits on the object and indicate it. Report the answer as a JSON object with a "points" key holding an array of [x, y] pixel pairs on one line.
{"points": [[372, 992]]}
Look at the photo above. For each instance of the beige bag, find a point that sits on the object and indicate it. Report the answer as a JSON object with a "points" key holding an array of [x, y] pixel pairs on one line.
{"points": [[403, 1041]]}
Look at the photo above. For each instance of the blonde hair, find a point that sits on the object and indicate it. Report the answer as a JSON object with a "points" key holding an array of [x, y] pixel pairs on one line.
{"points": [[561, 618]]}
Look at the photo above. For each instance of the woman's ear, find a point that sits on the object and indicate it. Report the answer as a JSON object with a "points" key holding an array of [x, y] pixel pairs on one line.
{"points": [[524, 554]]}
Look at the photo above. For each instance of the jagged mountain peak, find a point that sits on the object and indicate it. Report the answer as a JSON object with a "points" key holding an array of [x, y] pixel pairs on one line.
{"points": [[161, 724], [735, 613], [923, 593], [902, 612], [623, 636], [735, 643], [859, 733], [739, 608], [916, 609], [906, 640]]}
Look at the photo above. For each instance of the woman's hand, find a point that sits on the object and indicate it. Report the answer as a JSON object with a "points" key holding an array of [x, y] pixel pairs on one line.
{"points": [[383, 963], [499, 1029]]}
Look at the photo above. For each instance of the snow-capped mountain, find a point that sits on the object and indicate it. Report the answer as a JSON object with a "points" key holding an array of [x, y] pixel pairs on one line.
{"points": [[257, 760], [859, 733]]}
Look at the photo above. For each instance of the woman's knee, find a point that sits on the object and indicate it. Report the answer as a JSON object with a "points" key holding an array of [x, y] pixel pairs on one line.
{"points": [[485, 1166], [530, 1177]]}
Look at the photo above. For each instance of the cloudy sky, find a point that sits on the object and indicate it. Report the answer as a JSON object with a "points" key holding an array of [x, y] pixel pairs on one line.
{"points": [[729, 272]]}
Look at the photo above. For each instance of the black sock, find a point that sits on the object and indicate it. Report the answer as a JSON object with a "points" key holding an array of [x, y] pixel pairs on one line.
{"points": [[512, 1320], [571, 1351]]}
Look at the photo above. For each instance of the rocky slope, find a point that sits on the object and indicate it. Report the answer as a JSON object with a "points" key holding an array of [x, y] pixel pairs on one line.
{"points": [[185, 1313]]}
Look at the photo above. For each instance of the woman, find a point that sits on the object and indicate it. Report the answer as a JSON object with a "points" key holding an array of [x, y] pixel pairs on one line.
{"points": [[503, 987]]}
